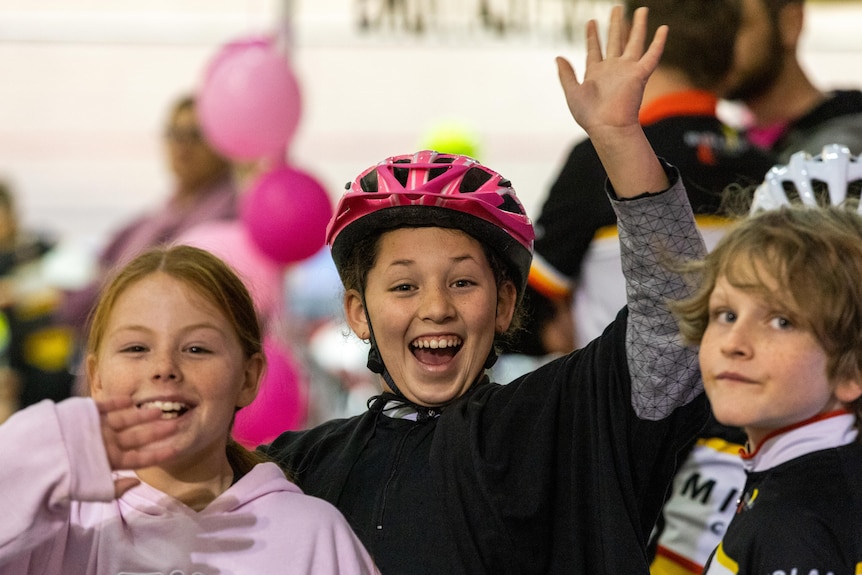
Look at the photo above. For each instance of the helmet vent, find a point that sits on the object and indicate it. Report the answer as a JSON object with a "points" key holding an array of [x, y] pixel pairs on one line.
{"points": [[510, 204], [435, 172], [473, 180], [854, 190], [368, 183], [401, 174], [821, 192], [790, 191]]}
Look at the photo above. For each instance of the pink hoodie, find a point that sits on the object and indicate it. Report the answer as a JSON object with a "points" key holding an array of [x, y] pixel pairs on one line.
{"points": [[60, 515]]}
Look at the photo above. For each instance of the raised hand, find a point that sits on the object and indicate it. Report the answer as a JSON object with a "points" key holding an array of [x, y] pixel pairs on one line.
{"points": [[132, 437], [606, 103]]}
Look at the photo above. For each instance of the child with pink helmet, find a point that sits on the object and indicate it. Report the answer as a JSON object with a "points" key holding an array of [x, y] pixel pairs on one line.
{"points": [[563, 470]]}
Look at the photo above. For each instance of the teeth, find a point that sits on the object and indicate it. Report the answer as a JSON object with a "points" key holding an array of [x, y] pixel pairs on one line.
{"points": [[170, 409], [439, 343]]}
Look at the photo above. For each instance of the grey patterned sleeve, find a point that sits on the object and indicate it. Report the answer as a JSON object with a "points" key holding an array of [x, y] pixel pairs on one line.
{"points": [[654, 230]]}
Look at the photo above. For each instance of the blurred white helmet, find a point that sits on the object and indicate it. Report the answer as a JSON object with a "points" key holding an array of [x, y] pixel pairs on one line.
{"points": [[803, 179]]}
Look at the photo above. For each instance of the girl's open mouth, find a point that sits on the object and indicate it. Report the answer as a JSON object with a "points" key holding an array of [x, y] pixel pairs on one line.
{"points": [[436, 350]]}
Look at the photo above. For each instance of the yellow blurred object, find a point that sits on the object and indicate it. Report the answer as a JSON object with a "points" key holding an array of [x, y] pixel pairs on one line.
{"points": [[450, 137], [50, 348], [5, 333]]}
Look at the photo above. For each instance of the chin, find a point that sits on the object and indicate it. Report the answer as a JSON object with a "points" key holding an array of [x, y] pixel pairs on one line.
{"points": [[435, 398]]}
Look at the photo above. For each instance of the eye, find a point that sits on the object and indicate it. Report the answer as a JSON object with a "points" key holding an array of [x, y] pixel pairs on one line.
{"points": [[780, 322], [463, 283], [722, 315], [404, 287], [197, 349], [135, 348]]}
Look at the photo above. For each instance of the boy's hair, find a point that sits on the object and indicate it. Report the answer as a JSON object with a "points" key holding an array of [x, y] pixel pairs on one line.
{"points": [[702, 36], [815, 257], [213, 280]]}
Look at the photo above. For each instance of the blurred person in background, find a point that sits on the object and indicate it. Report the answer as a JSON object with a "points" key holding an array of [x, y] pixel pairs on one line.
{"points": [[547, 332], [34, 351], [576, 242], [789, 112], [204, 190]]}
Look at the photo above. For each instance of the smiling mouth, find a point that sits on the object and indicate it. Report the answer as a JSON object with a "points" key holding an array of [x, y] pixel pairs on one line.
{"points": [[436, 350], [734, 377], [169, 409]]}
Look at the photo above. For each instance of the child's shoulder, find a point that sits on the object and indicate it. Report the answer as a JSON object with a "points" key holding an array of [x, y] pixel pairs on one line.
{"points": [[266, 486]]}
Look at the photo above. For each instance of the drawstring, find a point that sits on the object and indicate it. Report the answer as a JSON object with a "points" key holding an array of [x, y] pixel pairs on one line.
{"points": [[398, 406], [391, 402]]}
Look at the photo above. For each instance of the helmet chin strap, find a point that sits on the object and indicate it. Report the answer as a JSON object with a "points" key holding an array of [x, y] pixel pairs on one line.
{"points": [[375, 360]]}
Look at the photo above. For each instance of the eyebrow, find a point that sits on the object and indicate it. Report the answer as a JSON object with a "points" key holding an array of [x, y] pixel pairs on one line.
{"points": [[143, 328], [455, 259]]}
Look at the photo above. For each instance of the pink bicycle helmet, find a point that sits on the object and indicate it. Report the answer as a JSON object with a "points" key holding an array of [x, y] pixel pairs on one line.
{"points": [[434, 189]]}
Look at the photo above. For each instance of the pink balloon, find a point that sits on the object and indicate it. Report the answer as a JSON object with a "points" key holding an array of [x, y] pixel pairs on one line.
{"points": [[281, 403], [286, 212], [249, 102], [229, 240]]}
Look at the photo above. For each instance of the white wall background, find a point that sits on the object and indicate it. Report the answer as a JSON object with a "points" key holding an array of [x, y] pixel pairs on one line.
{"points": [[85, 85]]}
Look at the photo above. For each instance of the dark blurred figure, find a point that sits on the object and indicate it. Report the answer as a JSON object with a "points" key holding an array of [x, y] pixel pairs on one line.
{"points": [[547, 331], [790, 112], [36, 351], [576, 245]]}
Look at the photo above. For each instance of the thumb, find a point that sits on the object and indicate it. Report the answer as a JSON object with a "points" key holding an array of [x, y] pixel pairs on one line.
{"points": [[566, 72], [123, 484]]}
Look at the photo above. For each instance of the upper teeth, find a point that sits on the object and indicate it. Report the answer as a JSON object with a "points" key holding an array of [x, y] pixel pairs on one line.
{"points": [[165, 406], [439, 343]]}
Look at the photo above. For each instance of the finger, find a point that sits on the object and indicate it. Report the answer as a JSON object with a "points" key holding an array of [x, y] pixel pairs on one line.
{"points": [[637, 36], [109, 404], [653, 54], [141, 458], [594, 46], [123, 417], [144, 433], [566, 73], [615, 33], [123, 484]]}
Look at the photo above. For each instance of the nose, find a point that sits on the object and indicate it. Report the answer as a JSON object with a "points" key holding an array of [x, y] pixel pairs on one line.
{"points": [[737, 341], [436, 304], [165, 368]]}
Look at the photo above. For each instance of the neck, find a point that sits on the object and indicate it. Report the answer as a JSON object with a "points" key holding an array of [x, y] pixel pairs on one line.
{"points": [[665, 81], [194, 484], [187, 192], [791, 97]]}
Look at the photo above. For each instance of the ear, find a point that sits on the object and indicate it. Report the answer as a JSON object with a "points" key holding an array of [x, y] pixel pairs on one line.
{"points": [[848, 390], [790, 21], [252, 376], [94, 380], [354, 310], [507, 295]]}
